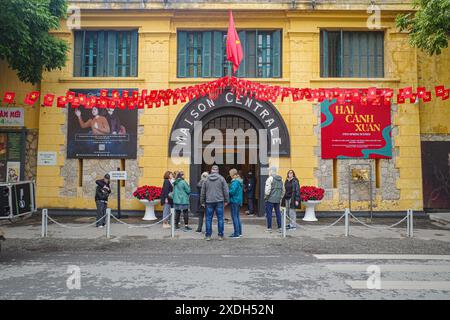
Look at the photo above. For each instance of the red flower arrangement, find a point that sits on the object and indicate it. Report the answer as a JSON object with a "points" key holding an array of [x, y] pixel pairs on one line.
{"points": [[149, 193], [311, 193]]}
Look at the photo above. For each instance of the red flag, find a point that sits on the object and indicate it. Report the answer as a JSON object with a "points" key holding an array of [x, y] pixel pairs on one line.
{"points": [[439, 90], [61, 102], [9, 97], [70, 95], [48, 100], [31, 98], [446, 94], [235, 53], [426, 96]]}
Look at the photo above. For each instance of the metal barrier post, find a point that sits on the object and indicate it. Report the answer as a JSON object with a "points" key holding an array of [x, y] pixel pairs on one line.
{"points": [[283, 223], [172, 222], [347, 211], [43, 224], [108, 223], [408, 216], [411, 223]]}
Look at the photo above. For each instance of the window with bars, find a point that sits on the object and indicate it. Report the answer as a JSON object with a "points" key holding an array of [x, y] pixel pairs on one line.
{"points": [[352, 54], [105, 53], [202, 54]]}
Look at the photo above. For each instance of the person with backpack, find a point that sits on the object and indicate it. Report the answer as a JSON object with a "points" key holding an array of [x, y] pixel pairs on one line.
{"points": [[273, 193], [180, 196], [236, 199]]}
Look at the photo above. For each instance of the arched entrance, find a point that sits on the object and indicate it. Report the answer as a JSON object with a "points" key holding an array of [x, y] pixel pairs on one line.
{"points": [[228, 112]]}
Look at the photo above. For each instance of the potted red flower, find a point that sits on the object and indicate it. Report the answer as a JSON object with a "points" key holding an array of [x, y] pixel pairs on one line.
{"points": [[149, 196], [311, 196]]}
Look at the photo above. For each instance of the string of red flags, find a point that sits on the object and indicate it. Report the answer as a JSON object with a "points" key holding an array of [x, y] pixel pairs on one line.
{"points": [[135, 99]]}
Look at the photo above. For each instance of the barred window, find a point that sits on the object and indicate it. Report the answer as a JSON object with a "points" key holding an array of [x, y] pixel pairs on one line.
{"points": [[352, 54], [105, 53], [202, 54]]}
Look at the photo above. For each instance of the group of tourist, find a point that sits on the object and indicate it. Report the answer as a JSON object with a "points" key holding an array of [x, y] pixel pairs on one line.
{"points": [[214, 194]]}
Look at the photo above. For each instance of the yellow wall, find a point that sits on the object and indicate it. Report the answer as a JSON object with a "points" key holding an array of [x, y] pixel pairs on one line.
{"points": [[157, 69], [10, 82]]}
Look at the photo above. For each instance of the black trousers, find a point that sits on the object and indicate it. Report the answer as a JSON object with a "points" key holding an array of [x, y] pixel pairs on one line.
{"points": [[201, 217], [178, 216], [101, 211]]}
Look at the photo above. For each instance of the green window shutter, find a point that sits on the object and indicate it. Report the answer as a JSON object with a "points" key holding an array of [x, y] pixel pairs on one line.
{"points": [[206, 54], [325, 53], [218, 52], [276, 62], [241, 72], [134, 54], [111, 63], [78, 54], [100, 54], [90, 39], [181, 54]]}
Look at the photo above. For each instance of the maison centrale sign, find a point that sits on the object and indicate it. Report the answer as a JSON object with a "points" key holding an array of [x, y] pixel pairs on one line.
{"points": [[262, 115], [12, 117]]}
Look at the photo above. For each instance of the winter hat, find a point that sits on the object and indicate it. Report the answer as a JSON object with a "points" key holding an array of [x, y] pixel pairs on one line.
{"points": [[233, 172]]}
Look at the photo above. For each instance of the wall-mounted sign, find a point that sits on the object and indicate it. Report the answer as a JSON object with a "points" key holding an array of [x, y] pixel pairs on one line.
{"points": [[47, 158], [12, 117], [12, 145], [351, 130], [101, 133], [118, 175]]}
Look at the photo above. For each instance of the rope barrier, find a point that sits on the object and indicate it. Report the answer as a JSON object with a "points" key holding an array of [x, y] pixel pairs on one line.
{"points": [[140, 226], [72, 227], [380, 227], [318, 229]]}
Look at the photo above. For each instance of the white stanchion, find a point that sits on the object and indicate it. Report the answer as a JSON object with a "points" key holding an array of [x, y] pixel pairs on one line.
{"points": [[411, 223], [172, 222], [44, 223], [108, 223], [408, 221], [347, 224]]}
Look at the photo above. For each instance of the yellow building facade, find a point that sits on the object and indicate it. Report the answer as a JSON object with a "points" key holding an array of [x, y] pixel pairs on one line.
{"points": [[397, 182]]}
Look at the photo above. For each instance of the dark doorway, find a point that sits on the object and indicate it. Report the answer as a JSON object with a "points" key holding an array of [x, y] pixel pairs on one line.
{"points": [[436, 175], [230, 156]]}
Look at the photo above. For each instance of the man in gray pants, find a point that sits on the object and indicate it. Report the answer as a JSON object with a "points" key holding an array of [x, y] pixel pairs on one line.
{"points": [[214, 195]]}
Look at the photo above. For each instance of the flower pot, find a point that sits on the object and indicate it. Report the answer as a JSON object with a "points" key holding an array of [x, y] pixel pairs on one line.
{"points": [[149, 209], [310, 214]]}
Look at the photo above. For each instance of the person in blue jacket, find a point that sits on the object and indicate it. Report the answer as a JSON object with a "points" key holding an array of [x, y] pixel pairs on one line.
{"points": [[236, 191]]}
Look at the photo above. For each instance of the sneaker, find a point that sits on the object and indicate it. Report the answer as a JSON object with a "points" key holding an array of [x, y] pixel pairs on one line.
{"points": [[250, 214], [177, 227], [208, 238], [269, 230], [198, 231], [166, 226], [234, 236], [220, 238], [240, 236], [101, 227], [293, 228], [279, 230], [187, 228]]}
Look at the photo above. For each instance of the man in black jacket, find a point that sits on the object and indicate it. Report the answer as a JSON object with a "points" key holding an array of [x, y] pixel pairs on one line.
{"points": [[101, 199], [250, 188]]}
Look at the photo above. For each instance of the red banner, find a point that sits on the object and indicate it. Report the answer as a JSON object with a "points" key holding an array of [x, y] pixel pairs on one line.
{"points": [[354, 130]]}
